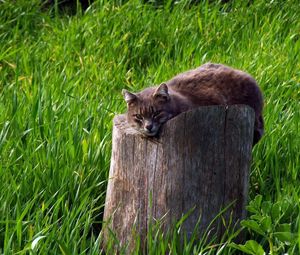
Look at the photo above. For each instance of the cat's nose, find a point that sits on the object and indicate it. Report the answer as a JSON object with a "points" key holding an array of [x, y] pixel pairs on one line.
{"points": [[148, 126]]}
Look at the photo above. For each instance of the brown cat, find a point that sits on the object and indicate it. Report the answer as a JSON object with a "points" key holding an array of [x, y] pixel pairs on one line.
{"points": [[209, 84]]}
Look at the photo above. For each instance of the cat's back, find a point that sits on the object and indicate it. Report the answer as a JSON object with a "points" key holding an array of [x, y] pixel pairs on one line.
{"points": [[218, 84], [206, 71], [209, 75]]}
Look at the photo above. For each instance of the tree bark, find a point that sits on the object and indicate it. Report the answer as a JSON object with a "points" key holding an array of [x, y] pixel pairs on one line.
{"points": [[199, 164]]}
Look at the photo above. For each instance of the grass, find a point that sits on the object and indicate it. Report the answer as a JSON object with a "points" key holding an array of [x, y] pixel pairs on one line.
{"points": [[60, 83]]}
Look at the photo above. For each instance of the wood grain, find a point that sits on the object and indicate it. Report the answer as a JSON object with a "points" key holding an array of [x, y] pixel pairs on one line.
{"points": [[200, 162]]}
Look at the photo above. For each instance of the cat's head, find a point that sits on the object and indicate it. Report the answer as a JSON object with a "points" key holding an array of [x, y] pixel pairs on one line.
{"points": [[148, 109]]}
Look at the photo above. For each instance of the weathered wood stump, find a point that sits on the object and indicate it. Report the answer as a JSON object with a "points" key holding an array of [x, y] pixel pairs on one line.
{"points": [[200, 161]]}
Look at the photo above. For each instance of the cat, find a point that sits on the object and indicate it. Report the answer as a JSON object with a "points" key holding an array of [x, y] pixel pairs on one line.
{"points": [[209, 84]]}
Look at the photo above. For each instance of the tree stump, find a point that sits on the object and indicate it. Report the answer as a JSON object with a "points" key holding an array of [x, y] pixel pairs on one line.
{"points": [[200, 162]]}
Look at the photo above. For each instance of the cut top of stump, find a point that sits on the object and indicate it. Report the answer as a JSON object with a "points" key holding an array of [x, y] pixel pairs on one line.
{"points": [[225, 114]]}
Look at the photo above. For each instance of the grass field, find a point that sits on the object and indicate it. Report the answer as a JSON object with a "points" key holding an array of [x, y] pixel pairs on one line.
{"points": [[60, 83]]}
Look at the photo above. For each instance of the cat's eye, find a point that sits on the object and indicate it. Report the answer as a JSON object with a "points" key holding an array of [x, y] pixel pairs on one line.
{"points": [[156, 114], [138, 117]]}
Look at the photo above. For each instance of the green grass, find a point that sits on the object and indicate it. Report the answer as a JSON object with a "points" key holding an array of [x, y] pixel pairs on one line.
{"points": [[60, 83]]}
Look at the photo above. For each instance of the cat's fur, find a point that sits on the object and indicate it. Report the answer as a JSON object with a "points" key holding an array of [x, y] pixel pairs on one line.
{"points": [[209, 84]]}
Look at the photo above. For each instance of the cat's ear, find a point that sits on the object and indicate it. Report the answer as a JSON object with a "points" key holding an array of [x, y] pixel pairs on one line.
{"points": [[128, 96], [162, 92]]}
